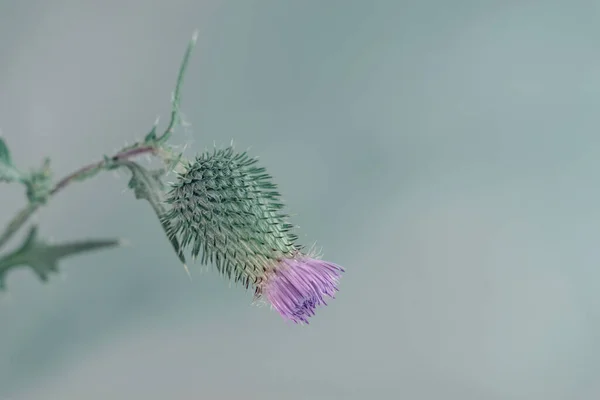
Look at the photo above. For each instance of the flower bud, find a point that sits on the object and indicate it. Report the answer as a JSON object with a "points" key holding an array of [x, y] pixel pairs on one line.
{"points": [[228, 211]]}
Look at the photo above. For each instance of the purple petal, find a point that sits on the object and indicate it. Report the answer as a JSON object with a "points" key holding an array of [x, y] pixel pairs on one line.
{"points": [[299, 285]]}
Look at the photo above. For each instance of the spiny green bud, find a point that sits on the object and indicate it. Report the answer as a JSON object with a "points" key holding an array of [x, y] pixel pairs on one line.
{"points": [[228, 210]]}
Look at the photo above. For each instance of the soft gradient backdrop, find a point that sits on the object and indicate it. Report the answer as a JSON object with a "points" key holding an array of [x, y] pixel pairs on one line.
{"points": [[447, 153]]}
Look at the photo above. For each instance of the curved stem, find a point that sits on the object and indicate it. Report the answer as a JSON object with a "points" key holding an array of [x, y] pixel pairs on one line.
{"points": [[151, 144], [17, 222], [177, 93], [100, 165], [87, 171]]}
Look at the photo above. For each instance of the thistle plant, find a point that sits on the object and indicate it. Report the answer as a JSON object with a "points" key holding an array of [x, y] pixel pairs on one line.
{"points": [[222, 207]]}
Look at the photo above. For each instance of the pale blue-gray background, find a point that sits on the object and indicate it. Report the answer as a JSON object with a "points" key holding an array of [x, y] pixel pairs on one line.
{"points": [[447, 153]]}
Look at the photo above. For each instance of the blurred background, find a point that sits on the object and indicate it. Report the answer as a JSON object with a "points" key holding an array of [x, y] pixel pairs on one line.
{"points": [[445, 152]]}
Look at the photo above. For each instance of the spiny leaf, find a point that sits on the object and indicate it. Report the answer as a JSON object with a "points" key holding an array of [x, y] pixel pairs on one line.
{"points": [[147, 185], [8, 172], [151, 136], [4, 153], [43, 258]]}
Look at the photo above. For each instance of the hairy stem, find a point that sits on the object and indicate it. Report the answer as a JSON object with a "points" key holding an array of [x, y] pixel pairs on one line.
{"points": [[177, 93], [17, 222], [152, 144], [89, 170], [100, 165]]}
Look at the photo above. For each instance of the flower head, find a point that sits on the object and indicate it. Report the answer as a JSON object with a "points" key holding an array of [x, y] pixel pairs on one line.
{"points": [[228, 210], [297, 285]]}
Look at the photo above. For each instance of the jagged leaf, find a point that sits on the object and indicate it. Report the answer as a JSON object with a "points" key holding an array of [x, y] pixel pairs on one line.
{"points": [[147, 185], [4, 153], [43, 257], [8, 172]]}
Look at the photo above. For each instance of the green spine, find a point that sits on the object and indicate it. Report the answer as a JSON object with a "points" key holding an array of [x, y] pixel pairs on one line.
{"points": [[229, 211]]}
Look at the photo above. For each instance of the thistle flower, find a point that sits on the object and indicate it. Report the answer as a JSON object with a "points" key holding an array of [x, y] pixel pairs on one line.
{"points": [[297, 285], [227, 210]]}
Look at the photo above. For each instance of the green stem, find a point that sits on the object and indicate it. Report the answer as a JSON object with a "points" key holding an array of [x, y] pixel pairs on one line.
{"points": [[151, 144], [92, 169], [177, 93], [17, 222], [84, 172]]}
